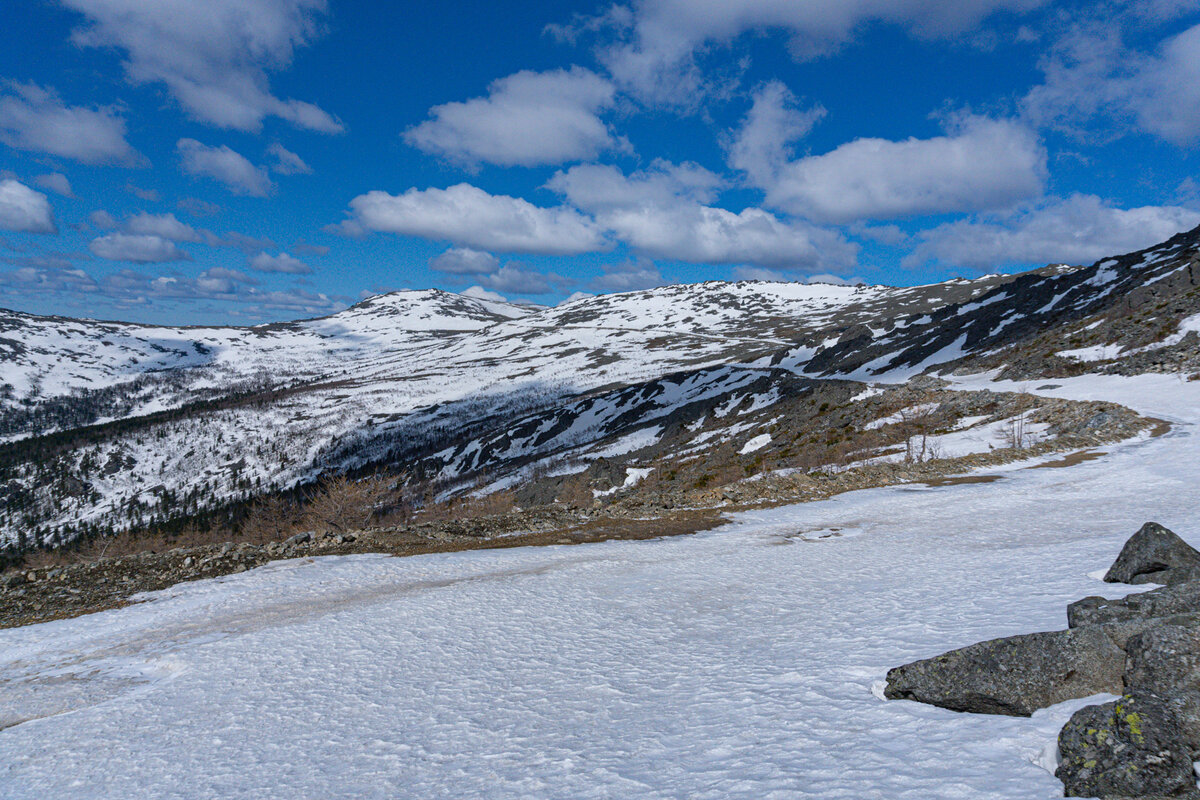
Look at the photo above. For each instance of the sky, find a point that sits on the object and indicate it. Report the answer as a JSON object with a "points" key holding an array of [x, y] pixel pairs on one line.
{"points": [[242, 161]]}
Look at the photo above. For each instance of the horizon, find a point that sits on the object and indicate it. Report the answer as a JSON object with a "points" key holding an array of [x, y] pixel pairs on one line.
{"points": [[240, 163]]}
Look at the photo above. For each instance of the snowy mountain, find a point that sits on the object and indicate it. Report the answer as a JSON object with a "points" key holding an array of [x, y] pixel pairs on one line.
{"points": [[118, 424]]}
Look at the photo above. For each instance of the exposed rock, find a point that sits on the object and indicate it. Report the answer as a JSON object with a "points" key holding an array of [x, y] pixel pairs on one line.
{"points": [[1016, 675], [299, 538], [1130, 747], [1181, 598], [1155, 555], [1165, 661]]}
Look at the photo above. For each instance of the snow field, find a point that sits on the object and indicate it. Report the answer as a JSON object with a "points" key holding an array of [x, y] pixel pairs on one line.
{"points": [[737, 663]]}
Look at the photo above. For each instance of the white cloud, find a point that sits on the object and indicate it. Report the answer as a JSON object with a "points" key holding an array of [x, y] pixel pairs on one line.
{"points": [[654, 55], [197, 207], [527, 119], [165, 226], [214, 57], [465, 261], [627, 277], [1078, 230], [576, 296], [264, 262], [480, 293], [515, 278], [55, 182], [35, 118], [470, 217], [23, 210], [128, 287], [662, 213], [984, 164], [593, 187], [138, 248], [1097, 86], [760, 147], [287, 162], [102, 219], [224, 165]]}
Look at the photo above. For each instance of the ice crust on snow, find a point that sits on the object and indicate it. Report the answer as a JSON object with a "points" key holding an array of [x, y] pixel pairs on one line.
{"points": [[737, 663]]}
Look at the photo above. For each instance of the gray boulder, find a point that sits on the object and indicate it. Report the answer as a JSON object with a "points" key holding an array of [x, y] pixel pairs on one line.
{"points": [[1164, 661], [1183, 598], [1130, 747], [1155, 555], [1017, 675]]}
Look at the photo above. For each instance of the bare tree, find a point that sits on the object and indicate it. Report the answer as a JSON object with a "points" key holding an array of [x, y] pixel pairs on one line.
{"points": [[342, 504]]}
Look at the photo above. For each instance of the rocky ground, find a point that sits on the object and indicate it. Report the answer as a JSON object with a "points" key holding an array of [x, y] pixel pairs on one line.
{"points": [[1145, 648]]}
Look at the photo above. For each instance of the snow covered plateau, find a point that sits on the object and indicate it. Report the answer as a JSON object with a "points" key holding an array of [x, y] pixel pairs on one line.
{"points": [[735, 663]]}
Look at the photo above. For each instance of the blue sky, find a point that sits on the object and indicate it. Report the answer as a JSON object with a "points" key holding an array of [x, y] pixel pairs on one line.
{"points": [[251, 160]]}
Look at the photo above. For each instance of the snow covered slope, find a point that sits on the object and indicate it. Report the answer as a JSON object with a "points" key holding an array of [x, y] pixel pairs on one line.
{"points": [[153, 422], [733, 664]]}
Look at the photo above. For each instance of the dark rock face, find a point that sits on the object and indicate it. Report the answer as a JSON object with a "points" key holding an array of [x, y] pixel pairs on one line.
{"points": [[1155, 555], [1017, 675], [1183, 598], [1130, 747], [1165, 661]]}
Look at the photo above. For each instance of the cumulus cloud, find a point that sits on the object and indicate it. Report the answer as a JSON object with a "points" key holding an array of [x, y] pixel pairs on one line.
{"points": [[761, 146], [594, 187], [149, 195], [247, 244], [164, 226], [516, 278], [480, 293], [35, 118], [283, 262], [1091, 75], [287, 162], [662, 213], [470, 217], [1080, 229], [214, 57], [983, 164], [55, 182], [464, 261], [527, 119], [23, 210], [653, 54], [138, 248], [224, 165], [627, 276], [102, 219]]}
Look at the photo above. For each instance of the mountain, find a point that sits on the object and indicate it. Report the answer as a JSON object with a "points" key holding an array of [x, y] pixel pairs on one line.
{"points": [[112, 424]]}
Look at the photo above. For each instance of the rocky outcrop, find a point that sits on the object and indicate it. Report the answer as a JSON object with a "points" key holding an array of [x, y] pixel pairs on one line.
{"points": [[1016, 675], [1145, 647], [1155, 555], [1181, 598], [1164, 661], [1127, 748]]}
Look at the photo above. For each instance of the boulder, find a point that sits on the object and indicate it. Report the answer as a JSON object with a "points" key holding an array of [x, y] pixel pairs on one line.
{"points": [[1183, 598], [1132, 747], [1155, 555], [1164, 661], [1017, 675]]}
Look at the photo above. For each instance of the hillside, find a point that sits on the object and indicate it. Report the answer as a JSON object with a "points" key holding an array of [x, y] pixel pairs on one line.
{"points": [[111, 425]]}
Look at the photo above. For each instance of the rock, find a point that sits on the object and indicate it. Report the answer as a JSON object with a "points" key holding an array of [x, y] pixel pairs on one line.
{"points": [[1181, 598], [1130, 747], [1164, 661], [10, 581], [299, 538], [1017, 675], [1155, 555], [227, 548], [187, 562]]}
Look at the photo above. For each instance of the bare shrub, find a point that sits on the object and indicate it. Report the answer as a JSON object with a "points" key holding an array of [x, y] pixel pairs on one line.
{"points": [[342, 504]]}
